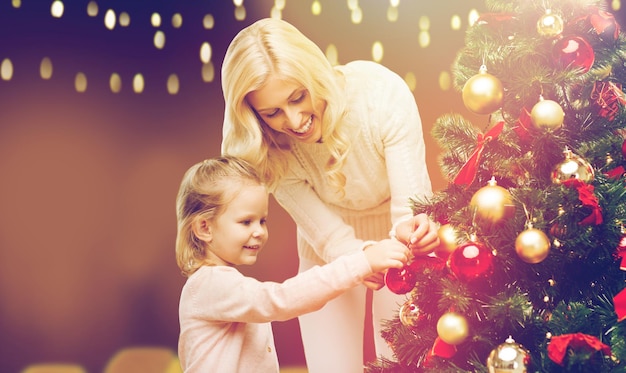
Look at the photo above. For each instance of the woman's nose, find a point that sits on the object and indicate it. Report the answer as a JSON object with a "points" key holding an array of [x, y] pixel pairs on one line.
{"points": [[292, 118]]}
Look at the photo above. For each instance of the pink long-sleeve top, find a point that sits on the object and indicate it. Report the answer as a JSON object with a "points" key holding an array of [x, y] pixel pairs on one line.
{"points": [[225, 316]]}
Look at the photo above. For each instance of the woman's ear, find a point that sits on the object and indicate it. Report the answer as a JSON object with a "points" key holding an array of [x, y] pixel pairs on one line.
{"points": [[201, 228]]}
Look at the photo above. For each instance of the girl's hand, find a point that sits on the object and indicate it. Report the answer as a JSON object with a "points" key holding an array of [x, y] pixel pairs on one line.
{"points": [[386, 254], [419, 234]]}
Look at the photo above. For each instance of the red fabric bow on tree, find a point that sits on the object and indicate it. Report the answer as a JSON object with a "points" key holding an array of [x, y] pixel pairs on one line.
{"points": [[467, 174], [588, 199], [619, 304], [607, 97], [557, 348]]}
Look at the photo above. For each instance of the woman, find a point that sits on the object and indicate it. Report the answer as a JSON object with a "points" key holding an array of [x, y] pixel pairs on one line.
{"points": [[342, 150]]}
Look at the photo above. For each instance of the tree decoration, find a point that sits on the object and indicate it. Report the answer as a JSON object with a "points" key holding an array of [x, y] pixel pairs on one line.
{"points": [[574, 52], [547, 114], [409, 314], [508, 357], [448, 241], [620, 251], [441, 349], [483, 92], [605, 25], [558, 346], [400, 280], [550, 24], [492, 202], [471, 261], [572, 167], [608, 98], [467, 173], [619, 303], [588, 199], [452, 328], [532, 245]]}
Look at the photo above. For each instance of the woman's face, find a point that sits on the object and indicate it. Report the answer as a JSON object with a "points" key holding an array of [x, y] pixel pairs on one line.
{"points": [[287, 107]]}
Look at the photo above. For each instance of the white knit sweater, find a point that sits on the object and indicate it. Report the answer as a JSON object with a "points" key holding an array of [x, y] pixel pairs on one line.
{"points": [[386, 166]]}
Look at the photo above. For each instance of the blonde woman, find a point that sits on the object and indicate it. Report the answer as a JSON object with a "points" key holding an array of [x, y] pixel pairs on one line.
{"points": [[341, 149]]}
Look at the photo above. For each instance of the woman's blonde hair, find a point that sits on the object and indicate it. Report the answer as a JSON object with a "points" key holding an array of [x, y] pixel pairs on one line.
{"points": [[207, 187], [274, 48]]}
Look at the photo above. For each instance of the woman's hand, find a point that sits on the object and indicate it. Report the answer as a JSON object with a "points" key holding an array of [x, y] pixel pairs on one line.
{"points": [[419, 234]]}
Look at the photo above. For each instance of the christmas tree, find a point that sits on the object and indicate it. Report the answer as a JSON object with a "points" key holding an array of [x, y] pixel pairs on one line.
{"points": [[529, 274]]}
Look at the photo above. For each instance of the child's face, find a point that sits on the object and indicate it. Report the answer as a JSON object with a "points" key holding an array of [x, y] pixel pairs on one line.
{"points": [[287, 107], [240, 231]]}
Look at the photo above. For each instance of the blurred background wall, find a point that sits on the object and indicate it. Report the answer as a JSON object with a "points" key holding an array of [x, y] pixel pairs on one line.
{"points": [[88, 177]]}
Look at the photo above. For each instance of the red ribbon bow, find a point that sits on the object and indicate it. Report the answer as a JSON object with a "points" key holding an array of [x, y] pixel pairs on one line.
{"points": [[619, 303], [558, 345], [621, 253], [588, 199], [467, 174], [608, 96], [603, 21]]}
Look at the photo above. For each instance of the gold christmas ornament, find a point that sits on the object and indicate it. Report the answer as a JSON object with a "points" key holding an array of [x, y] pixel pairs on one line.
{"points": [[447, 241], [550, 24], [532, 245], [452, 328], [482, 93], [410, 314], [547, 114], [573, 167], [509, 357], [492, 203]]}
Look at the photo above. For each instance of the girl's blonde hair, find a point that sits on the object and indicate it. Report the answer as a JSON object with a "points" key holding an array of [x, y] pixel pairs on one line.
{"points": [[274, 48], [207, 187]]}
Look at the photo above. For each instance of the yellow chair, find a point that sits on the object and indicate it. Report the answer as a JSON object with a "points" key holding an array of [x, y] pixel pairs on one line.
{"points": [[54, 368], [144, 359]]}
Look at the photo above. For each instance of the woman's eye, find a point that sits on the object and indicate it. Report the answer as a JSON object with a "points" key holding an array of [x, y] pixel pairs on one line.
{"points": [[299, 98], [272, 114]]}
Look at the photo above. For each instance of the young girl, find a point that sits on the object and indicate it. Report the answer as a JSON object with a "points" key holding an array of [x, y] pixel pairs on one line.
{"points": [[222, 208], [342, 150]]}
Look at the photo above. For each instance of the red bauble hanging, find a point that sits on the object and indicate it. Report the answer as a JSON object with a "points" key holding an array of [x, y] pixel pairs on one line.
{"points": [[400, 280], [471, 261], [574, 52]]}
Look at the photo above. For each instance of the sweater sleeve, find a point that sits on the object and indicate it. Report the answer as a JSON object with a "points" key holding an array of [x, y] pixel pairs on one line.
{"points": [[402, 141], [224, 294]]}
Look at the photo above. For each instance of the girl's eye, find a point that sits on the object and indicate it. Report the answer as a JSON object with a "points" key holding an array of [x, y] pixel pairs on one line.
{"points": [[263, 221], [246, 222]]}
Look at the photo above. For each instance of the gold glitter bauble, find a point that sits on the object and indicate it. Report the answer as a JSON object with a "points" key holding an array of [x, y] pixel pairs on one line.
{"points": [[550, 24], [547, 114], [409, 314], [573, 167], [447, 241], [452, 328], [509, 357], [482, 93], [492, 202], [532, 245]]}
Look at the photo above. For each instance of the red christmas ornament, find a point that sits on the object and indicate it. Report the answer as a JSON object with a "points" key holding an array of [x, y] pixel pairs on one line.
{"points": [[574, 52], [471, 261], [400, 280]]}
